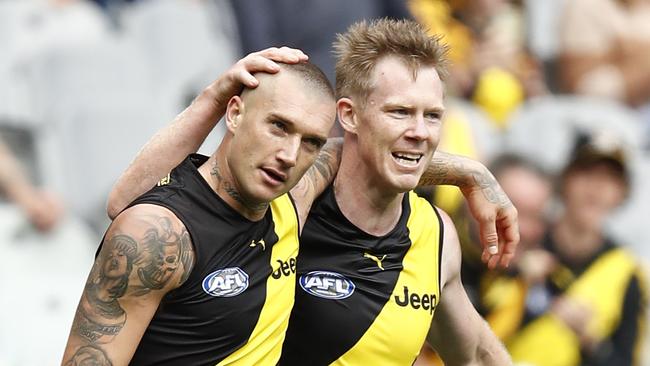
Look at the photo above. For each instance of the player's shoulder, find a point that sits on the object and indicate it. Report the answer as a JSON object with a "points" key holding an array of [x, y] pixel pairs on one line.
{"points": [[160, 241], [140, 214]]}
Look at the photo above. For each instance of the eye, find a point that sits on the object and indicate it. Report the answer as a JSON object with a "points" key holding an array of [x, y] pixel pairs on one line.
{"points": [[433, 115], [400, 112], [279, 125], [313, 143]]}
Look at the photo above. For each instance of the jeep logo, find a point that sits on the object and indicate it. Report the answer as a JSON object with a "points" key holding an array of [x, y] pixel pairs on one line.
{"points": [[426, 301], [328, 285], [284, 268], [227, 282]]}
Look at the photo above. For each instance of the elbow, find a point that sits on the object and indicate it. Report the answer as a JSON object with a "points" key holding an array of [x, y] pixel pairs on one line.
{"points": [[114, 205]]}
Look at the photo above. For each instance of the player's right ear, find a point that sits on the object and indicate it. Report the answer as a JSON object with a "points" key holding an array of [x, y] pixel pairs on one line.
{"points": [[234, 113], [347, 115]]}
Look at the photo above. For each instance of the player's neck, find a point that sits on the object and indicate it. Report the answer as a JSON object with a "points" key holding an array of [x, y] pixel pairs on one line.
{"points": [[366, 205], [217, 173]]}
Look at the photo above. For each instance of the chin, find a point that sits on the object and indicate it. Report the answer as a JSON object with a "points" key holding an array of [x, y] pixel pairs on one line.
{"points": [[405, 184]]}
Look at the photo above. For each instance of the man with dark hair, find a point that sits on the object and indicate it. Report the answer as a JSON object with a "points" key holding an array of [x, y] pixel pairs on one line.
{"points": [[164, 286]]}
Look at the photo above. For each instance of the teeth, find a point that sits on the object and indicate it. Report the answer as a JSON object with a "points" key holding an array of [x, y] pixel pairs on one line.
{"points": [[408, 157], [407, 161]]}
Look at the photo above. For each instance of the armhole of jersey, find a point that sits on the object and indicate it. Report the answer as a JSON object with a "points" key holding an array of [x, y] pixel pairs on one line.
{"points": [[101, 244], [184, 222], [441, 229], [295, 210]]}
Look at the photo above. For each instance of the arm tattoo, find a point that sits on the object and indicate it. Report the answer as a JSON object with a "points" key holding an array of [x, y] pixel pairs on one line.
{"points": [[187, 257], [233, 193], [89, 355], [325, 167], [445, 169], [491, 189], [450, 169], [125, 265], [99, 316], [159, 258]]}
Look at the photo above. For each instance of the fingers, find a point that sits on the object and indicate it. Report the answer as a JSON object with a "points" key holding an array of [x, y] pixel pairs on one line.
{"points": [[251, 64], [247, 79], [284, 54], [265, 61], [489, 236], [489, 239], [499, 238], [510, 242]]}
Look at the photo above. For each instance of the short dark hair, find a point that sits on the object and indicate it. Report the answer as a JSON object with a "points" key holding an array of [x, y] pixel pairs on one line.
{"points": [[312, 75], [507, 161]]}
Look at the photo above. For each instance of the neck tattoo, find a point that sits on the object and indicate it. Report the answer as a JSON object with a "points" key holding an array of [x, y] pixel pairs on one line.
{"points": [[233, 193]]}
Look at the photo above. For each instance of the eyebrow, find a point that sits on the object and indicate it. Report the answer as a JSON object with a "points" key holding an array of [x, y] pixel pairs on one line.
{"points": [[281, 118], [291, 124], [410, 106]]}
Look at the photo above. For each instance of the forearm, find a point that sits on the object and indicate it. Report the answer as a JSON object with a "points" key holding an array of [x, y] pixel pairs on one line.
{"points": [[489, 350], [474, 347], [167, 148], [450, 169], [467, 174], [13, 180]]}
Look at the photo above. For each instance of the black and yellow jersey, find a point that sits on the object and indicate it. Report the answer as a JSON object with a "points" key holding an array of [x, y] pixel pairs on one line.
{"points": [[363, 299], [234, 307], [610, 286]]}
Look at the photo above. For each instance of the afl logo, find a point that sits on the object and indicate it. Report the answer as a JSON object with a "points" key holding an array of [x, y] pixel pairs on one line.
{"points": [[227, 282], [329, 285]]}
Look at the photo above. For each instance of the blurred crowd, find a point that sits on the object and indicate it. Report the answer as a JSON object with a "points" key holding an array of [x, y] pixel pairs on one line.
{"points": [[553, 95]]}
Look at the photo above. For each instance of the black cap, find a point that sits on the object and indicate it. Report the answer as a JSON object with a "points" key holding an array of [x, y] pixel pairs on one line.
{"points": [[597, 148]]}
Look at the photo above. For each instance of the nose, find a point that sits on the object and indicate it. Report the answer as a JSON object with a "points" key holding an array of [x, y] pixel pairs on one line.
{"points": [[418, 130], [288, 153]]}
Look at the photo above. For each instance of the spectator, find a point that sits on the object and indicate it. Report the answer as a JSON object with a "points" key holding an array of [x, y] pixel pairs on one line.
{"points": [[41, 207], [490, 63], [505, 298], [605, 49], [596, 295]]}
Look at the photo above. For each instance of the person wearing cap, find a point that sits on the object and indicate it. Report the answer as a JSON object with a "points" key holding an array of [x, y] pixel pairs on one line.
{"points": [[592, 311]]}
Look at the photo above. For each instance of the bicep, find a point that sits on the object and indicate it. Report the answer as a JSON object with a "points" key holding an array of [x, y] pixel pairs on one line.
{"points": [[146, 253]]}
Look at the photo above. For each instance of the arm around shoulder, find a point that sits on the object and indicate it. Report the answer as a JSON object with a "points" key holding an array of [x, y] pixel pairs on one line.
{"points": [[318, 177], [146, 253], [488, 203], [458, 332]]}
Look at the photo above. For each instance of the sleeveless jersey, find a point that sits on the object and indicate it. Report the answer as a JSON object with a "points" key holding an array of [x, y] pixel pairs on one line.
{"points": [[234, 307], [363, 299]]}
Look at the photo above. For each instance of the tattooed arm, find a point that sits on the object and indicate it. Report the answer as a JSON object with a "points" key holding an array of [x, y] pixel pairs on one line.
{"points": [[488, 203], [146, 253], [317, 178], [169, 146]]}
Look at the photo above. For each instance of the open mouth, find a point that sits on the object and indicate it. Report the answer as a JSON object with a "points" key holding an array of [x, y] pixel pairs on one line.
{"points": [[275, 175], [407, 158]]}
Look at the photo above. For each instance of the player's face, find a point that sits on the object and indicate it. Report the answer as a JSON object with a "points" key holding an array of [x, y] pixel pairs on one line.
{"points": [[591, 194], [278, 137], [399, 127], [530, 194]]}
